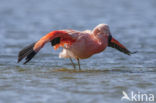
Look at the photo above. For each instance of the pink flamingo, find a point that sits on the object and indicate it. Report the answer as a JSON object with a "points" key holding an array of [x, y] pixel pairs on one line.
{"points": [[76, 44]]}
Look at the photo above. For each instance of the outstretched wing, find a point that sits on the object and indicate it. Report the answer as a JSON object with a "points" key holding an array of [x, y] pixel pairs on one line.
{"points": [[57, 38], [117, 45]]}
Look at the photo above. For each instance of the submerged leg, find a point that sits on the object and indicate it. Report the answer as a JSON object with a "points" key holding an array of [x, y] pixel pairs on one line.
{"points": [[72, 63], [78, 63]]}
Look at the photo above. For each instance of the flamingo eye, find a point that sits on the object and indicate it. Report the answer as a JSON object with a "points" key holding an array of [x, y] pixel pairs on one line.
{"points": [[98, 31]]}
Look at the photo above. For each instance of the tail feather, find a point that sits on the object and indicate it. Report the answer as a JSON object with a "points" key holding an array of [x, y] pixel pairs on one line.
{"points": [[117, 45], [27, 52]]}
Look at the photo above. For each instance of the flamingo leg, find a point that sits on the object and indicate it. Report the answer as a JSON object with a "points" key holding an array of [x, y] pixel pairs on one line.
{"points": [[78, 60], [72, 63]]}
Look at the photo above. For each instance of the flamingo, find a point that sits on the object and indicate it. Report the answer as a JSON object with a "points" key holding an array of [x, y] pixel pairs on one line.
{"points": [[76, 44]]}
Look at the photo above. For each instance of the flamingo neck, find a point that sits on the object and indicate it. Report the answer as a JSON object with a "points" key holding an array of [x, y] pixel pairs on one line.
{"points": [[101, 41]]}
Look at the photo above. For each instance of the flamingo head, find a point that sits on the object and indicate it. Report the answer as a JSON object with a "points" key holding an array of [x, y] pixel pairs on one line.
{"points": [[101, 30]]}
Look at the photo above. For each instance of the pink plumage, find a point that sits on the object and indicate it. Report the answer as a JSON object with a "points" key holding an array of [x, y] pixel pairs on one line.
{"points": [[76, 44]]}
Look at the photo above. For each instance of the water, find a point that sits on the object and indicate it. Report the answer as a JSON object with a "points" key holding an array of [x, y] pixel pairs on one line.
{"points": [[48, 79]]}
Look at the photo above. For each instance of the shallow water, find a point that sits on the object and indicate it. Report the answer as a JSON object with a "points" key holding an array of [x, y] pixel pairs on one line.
{"points": [[104, 76]]}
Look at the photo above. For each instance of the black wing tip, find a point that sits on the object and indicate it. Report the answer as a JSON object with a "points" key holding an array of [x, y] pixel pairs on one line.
{"points": [[27, 52], [118, 47], [133, 52], [130, 53], [18, 60], [29, 57]]}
